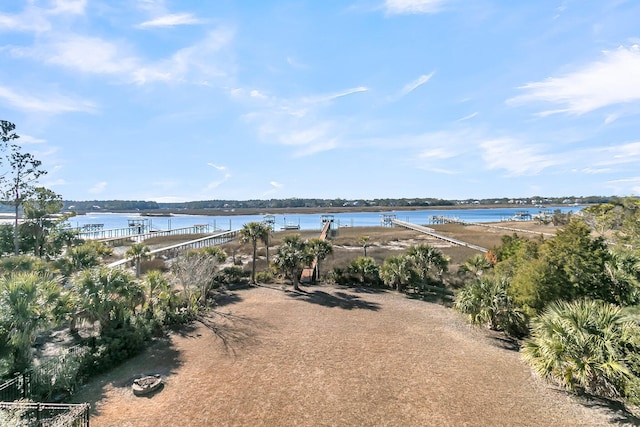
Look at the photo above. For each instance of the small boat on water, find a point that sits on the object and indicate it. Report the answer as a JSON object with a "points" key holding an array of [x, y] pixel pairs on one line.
{"points": [[290, 226], [146, 385]]}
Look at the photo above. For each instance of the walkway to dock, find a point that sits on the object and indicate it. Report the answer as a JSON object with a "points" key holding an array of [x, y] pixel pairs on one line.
{"points": [[431, 232], [445, 220], [308, 274], [173, 250]]}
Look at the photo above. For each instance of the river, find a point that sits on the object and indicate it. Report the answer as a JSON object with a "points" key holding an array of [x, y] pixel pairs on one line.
{"points": [[308, 221]]}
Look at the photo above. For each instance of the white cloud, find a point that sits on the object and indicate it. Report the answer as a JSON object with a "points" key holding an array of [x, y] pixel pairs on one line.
{"points": [[98, 188], [226, 176], [297, 123], [437, 153], [171, 20], [613, 80], [75, 7], [276, 184], [515, 157], [220, 168], [52, 104], [619, 154], [468, 117], [28, 139], [93, 55], [81, 53], [416, 83], [407, 7]]}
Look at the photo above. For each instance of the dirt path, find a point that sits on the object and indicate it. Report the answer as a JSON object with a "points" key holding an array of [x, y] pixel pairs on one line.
{"points": [[334, 357]]}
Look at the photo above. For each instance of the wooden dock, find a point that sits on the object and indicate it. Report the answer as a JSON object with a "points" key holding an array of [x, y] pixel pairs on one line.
{"points": [[431, 232], [174, 250], [447, 220]]}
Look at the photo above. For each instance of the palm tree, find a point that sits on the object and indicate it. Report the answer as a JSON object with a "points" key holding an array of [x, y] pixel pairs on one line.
{"points": [[426, 258], [585, 345], [252, 232], [28, 302], [477, 265], [106, 295], [138, 252], [292, 255], [320, 249], [365, 268], [623, 270], [488, 302], [397, 271], [364, 242], [159, 293]]}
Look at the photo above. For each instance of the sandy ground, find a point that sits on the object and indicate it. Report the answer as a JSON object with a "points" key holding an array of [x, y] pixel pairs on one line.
{"points": [[333, 356]]}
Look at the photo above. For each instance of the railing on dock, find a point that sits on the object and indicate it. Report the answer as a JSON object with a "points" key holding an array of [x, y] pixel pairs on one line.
{"points": [[431, 232], [173, 250]]}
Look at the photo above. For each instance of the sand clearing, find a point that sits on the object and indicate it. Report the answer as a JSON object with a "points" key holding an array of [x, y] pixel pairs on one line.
{"points": [[334, 356]]}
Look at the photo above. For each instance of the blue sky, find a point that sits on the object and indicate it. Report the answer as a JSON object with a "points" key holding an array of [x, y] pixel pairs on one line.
{"points": [[197, 100]]}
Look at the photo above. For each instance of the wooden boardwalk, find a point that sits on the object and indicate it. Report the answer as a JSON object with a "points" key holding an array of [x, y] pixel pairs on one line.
{"points": [[431, 232], [446, 220], [308, 274], [173, 250]]}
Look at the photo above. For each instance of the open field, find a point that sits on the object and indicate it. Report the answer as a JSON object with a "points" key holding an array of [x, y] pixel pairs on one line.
{"points": [[335, 356]]}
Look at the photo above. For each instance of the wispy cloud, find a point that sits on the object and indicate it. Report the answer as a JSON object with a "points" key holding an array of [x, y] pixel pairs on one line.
{"points": [[98, 188], [28, 139], [75, 7], [515, 157], [225, 177], [410, 7], [468, 117], [410, 87], [52, 104], [275, 187], [94, 55], [171, 20], [297, 122], [38, 19], [615, 79]]}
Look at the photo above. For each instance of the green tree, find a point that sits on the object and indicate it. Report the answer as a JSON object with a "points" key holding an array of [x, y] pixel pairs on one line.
{"points": [[105, 295], [27, 304], [137, 253], [603, 217], [586, 345], [577, 261], [19, 183], [397, 272], [427, 259], [477, 265], [487, 302], [253, 232], [291, 257], [320, 249], [364, 242], [160, 298], [623, 270], [38, 212], [365, 268]]}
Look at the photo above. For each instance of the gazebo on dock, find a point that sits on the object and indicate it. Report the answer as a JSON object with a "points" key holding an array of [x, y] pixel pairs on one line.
{"points": [[386, 219]]}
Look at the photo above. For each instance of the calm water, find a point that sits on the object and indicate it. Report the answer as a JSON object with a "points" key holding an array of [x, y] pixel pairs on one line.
{"points": [[306, 221]]}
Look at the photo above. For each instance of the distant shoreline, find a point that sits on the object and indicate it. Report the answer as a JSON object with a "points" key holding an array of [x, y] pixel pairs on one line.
{"points": [[317, 210]]}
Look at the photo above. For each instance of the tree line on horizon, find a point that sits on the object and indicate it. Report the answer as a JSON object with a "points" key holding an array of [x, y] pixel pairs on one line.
{"points": [[144, 205]]}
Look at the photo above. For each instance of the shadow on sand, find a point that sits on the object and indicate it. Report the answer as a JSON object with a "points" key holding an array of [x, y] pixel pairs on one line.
{"points": [[618, 413], [339, 299]]}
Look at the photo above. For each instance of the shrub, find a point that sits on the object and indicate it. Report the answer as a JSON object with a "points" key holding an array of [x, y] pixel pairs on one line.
{"points": [[231, 275], [587, 345]]}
